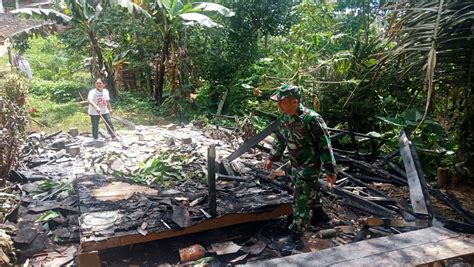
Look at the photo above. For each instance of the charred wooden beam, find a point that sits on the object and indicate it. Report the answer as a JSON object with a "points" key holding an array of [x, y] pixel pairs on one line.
{"points": [[391, 178], [356, 134], [336, 136], [263, 178], [51, 135], [369, 178], [360, 183], [228, 169], [419, 194], [454, 204], [358, 202], [397, 169], [387, 202], [211, 178], [355, 146], [347, 152], [385, 159], [224, 177], [460, 206], [253, 141], [459, 226]]}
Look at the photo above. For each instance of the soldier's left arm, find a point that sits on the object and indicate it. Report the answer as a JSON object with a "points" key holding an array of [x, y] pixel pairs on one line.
{"points": [[323, 143]]}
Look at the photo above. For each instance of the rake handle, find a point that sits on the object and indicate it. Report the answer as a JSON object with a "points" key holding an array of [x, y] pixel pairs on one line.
{"points": [[102, 117]]}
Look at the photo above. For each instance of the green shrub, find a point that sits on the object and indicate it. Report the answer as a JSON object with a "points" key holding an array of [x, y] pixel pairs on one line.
{"points": [[433, 144], [15, 86], [58, 91], [51, 60], [132, 102]]}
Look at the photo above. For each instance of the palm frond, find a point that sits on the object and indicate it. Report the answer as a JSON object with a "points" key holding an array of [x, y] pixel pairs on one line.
{"points": [[44, 14]]}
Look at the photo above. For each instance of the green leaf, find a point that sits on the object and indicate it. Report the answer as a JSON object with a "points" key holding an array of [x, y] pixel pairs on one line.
{"points": [[177, 7], [200, 19], [412, 115], [48, 215], [41, 13], [131, 7], [205, 6]]}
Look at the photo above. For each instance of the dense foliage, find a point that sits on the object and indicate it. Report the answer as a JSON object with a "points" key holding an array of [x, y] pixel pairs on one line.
{"points": [[372, 66]]}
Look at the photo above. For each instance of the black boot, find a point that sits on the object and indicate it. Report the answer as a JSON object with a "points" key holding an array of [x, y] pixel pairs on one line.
{"points": [[319, 217], [294, 243]]}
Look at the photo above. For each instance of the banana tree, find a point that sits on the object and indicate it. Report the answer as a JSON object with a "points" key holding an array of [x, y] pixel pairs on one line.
{"points": [[171, 16], [83, 15]]}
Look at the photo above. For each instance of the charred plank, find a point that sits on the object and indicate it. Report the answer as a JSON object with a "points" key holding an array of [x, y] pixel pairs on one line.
{"points": [[211, 176], [419, 194], [253, 141]]}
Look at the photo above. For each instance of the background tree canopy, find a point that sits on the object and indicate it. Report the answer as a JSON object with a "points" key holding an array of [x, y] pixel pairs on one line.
{"points": [[372, 66]]}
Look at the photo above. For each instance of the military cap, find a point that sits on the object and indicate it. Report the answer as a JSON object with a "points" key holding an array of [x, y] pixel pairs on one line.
{"points": [[285, 91]]}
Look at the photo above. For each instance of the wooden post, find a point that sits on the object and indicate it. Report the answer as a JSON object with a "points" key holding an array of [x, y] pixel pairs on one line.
{"points": [[211, 179]]}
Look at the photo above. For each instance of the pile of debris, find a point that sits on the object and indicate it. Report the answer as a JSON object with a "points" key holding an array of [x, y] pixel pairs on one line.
{"points": [[159, 181], [171, 159]]}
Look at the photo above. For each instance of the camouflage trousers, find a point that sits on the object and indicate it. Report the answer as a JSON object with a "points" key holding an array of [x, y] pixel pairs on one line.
{"points": [[306, 197]]}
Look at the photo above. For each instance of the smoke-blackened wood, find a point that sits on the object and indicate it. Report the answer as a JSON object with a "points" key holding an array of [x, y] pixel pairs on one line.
{"points": [[253, 141], [211, 178]]}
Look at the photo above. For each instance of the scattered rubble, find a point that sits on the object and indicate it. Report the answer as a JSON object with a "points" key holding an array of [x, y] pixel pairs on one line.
{"points": [[155, 181]]}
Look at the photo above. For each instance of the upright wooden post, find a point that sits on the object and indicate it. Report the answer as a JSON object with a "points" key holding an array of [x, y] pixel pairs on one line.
{"points": [[211, 179]]}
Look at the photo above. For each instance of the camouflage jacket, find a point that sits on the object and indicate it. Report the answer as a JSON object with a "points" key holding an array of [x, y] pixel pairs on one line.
{"points": [[308, 143]]}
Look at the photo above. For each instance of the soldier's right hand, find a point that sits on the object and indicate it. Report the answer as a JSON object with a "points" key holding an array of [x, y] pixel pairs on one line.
{"points": [[268, 165], [331, 180]]}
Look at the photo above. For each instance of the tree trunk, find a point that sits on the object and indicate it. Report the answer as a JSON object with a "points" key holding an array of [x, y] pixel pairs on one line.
{"points": [[2, 10], [102, 65], [266, 41], [160, 71]]}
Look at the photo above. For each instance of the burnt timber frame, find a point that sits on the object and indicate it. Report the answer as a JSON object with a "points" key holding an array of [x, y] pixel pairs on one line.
{"points": [[358, 202]]}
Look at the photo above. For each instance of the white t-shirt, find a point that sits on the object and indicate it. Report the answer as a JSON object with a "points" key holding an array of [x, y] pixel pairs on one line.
{"points": [[100, 99], [25, 68]]}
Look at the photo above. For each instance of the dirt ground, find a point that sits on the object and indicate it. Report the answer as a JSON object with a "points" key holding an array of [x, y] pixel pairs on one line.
{"points": [[465, 194]]}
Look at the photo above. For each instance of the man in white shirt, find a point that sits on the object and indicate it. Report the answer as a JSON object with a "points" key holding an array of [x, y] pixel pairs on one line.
{"points": [[23, 65], [99, 105]]}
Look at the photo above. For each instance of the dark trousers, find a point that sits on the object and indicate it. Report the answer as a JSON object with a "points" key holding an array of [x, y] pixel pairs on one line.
{"points": [[95, 125]]}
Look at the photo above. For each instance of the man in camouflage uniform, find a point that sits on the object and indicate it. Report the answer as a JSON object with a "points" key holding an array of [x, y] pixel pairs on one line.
{"points": [[304, 133]]}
